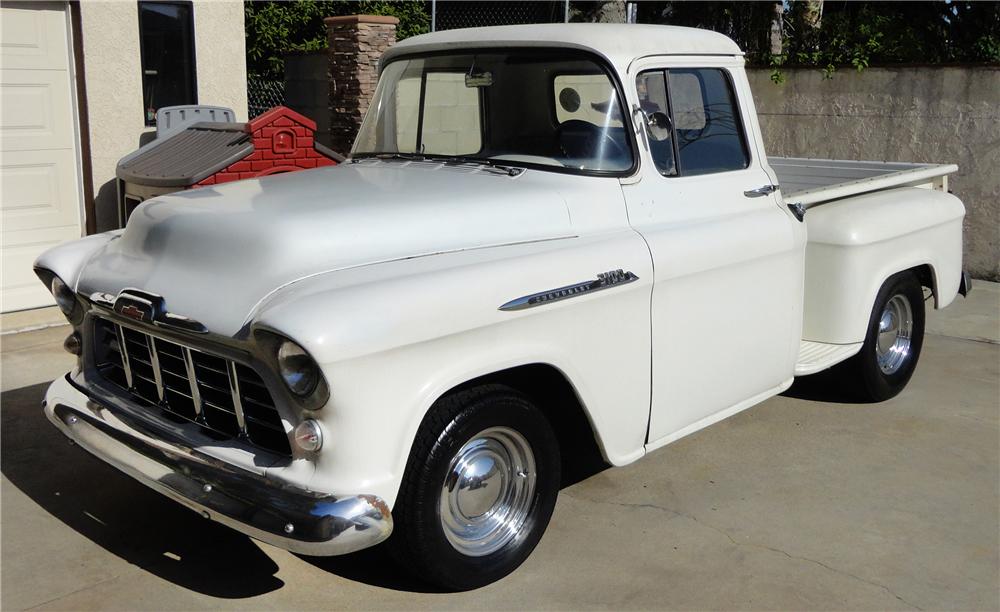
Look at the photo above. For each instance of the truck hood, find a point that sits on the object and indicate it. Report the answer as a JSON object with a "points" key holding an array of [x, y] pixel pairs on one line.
{"points": [[214, 253]]}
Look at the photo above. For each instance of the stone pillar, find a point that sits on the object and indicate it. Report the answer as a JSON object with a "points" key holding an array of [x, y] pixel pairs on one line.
{"points": [[357, 43]]}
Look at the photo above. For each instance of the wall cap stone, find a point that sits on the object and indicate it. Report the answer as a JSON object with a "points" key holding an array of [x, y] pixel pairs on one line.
{"points": [[353, 19]]}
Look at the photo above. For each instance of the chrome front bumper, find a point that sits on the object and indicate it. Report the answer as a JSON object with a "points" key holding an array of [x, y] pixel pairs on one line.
{"points": [[275, 512]]}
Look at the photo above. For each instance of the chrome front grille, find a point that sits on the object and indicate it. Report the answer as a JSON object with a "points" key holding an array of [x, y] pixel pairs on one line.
{"points": [[227, 399]]}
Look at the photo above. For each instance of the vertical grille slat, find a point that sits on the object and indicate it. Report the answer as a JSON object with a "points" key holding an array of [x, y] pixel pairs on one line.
{"points": [[154, 360], [234, 388], [192, 382], [225, 398], [124, 354]]}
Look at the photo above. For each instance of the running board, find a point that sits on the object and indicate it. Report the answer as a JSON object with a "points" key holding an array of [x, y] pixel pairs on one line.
{"points": [[818, 356]]}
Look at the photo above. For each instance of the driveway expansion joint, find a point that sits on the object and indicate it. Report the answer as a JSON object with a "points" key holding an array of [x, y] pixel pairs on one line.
{"points": [[675, 513]]}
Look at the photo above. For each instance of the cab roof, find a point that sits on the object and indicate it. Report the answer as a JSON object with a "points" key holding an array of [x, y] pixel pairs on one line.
{"points": [[618, 42]]}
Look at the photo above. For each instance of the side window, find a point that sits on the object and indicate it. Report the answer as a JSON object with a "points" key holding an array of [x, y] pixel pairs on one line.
{"points": [[703, 134], [652, 89], [706, 122]]}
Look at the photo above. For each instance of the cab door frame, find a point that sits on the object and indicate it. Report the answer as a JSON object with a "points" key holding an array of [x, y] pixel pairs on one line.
{"points": [[726, 310]]}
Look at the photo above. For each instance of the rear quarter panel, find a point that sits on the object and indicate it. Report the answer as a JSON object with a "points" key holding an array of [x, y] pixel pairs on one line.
{"points": [[855, 244]]}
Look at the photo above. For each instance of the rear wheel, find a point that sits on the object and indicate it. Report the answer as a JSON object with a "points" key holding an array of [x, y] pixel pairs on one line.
{"points": [[893, 341], [479, 488]]}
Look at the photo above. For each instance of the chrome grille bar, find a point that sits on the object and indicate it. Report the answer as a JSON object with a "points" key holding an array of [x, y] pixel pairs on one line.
{"points": [[154, 358], [234, 388], [192, 380], [225, 398], [124, 352]]}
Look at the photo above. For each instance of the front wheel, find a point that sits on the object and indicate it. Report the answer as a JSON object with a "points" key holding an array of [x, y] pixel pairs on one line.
{"points": [[893, 341], [479, 488]]}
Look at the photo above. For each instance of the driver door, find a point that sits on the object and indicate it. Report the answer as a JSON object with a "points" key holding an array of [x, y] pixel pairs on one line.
{"points": [[727, 256]]}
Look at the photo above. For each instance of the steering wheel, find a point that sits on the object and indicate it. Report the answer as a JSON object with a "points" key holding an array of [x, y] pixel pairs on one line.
{"points": [[582, 139]]}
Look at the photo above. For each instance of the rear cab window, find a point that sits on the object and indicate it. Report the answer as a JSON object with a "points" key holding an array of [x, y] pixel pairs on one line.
{"points": [[586, 97], [448, 122]]}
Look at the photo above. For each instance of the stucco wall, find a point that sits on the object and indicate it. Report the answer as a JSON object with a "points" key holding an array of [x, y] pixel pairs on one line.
{"points": [[220, 54], [925, 114], [113, 72]]}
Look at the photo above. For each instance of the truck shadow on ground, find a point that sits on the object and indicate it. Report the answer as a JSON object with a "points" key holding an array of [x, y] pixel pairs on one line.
{"points": [[162, 537], [376, 567], [832, 386], [122, 516]]}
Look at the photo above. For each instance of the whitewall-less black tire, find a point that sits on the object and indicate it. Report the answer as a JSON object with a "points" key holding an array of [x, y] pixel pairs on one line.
{"points": [[893, 341], [479, 489]]}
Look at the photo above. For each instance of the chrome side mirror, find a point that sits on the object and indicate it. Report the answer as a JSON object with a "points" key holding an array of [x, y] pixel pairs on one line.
{"points": [[657, 125]]}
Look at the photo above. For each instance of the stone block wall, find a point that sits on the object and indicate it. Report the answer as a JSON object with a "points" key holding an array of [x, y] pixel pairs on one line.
{"points": [[928, 114], [356, 44]]}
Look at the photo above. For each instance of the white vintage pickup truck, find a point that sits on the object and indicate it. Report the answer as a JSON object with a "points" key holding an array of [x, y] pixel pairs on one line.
{"points": [[546, 237]]}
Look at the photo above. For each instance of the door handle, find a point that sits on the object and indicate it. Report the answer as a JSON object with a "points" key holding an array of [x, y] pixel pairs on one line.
{"points": [[761, 191]]}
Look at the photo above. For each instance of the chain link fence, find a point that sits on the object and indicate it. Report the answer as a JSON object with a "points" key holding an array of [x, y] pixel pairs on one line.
{"points": [[454, 15], [263, 94], [748, 23]]}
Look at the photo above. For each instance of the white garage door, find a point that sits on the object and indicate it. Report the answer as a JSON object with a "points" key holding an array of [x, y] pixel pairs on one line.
{"points": [[39, 180]]}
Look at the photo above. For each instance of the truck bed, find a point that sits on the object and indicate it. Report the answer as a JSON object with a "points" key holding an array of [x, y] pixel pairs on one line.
{"points": [[810, 182]]}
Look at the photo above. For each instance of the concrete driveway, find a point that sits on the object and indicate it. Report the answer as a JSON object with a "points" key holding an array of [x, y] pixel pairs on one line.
{"points": [[802, 502]]}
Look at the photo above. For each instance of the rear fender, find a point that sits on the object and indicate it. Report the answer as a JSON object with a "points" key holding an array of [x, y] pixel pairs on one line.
{"points": [[856, 244]]}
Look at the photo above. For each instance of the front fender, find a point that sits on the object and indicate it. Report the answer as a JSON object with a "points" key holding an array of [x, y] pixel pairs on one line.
{"points": [[392, 338], [68, 260]]}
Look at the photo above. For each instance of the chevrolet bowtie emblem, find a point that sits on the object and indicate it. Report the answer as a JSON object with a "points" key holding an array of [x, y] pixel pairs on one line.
{"points": [[146, 307], [133, 312]]}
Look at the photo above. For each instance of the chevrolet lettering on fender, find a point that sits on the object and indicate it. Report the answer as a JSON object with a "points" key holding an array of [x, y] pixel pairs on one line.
{"points": [[605, 280], [402, 348]]}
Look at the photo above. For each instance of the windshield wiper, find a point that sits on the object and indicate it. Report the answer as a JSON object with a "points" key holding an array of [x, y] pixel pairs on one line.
{"points": [[390, 155], [453, 160], [482, 161]]}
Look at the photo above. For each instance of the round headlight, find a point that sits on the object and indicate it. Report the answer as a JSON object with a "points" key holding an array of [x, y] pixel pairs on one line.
{"points": [[309, 436], [297, 368], [63, 295]]}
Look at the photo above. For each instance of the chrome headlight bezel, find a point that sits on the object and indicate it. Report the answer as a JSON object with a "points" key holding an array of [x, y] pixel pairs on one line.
{"points": [[297, 368], [269, 343], [66, 299], [64, 296]]}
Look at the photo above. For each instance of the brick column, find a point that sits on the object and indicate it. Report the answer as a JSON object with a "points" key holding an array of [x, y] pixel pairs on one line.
{"points": [[357, 42]]}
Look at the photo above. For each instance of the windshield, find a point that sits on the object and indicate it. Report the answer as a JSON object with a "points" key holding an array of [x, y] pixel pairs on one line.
{"points": [[547, 108]]}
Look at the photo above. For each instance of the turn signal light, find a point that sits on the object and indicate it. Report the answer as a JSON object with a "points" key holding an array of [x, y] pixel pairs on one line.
{"points": [[309, 436]]}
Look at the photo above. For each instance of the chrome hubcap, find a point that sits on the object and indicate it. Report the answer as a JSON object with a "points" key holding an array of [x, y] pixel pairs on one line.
{"points": [[895, 329], [487, 491]]}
